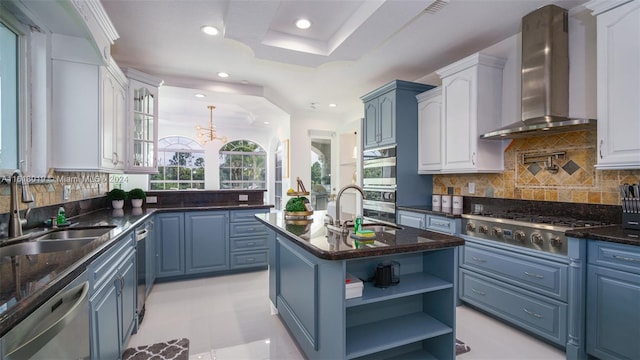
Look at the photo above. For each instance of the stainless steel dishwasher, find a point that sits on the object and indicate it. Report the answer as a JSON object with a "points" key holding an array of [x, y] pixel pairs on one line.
{"points": [[59, 329], [141, 258]]}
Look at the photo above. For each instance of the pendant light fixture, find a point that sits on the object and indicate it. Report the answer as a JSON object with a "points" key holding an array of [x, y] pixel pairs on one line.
{"points": [[208, 134]]}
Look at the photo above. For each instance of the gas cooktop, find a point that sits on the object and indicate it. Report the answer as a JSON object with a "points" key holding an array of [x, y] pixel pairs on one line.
{"points": [[534, 231]]}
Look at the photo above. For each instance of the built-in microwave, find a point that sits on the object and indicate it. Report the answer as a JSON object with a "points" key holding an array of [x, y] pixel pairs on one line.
{"points": [[379, 167]]}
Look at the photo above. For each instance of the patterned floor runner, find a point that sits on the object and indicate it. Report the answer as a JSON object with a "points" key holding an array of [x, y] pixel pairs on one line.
{"points": [[169, 350]]}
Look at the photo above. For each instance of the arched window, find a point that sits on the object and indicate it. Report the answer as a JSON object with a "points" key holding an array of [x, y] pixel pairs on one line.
{"points": [[180, 165], [242, 165]]}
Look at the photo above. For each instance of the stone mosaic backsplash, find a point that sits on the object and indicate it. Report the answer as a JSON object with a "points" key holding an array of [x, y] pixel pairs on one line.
{"points": [[571, 178], [84, 185]]}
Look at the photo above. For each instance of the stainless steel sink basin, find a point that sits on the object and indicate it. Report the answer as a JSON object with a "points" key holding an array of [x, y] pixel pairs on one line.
{"points": [[44, 246], [74, 233]]}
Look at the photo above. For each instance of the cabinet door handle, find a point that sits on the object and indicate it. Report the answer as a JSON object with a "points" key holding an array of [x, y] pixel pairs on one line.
{"points": [[473, 158], [115, 159], [532, 313], [537, 276], [601, 145], [479, 292], [478, 259], [624, 258]]}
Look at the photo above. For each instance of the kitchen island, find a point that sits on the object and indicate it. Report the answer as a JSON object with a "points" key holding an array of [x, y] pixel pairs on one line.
{"points": [[308, 267]]}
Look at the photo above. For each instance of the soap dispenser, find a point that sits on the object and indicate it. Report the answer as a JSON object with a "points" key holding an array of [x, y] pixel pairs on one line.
{"points": [[62, 217]]}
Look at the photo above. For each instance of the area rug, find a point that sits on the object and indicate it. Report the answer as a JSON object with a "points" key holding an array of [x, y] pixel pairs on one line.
{"points": [[461, 348], [169, 350]]}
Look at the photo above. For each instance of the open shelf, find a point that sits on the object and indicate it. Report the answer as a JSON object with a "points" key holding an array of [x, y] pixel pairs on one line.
{"points": [[385, 334], [413, 355], [410, 284]]}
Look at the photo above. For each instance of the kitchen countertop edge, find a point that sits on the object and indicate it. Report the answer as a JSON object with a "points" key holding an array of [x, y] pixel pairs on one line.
{"points": [[14, 316], [610, 233], [445, 242]]}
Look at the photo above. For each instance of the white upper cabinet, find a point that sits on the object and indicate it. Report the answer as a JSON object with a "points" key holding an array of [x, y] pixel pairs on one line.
{"points": [[471, 105], [618, 67], [87, 110], [142, 123], [430, 125]]}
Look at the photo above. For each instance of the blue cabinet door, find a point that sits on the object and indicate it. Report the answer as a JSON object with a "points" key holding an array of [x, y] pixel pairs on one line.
{"points": [[370, 126], [127, 298], [613, 315], [207, 241], [387, 119], [169, 229], [105, 336]]}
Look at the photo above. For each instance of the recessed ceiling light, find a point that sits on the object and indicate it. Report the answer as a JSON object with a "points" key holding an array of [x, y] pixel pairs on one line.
{"points": [[223, 74], [209, 30], [265, 122], [332, 105], [303, 24], [200, 95]]}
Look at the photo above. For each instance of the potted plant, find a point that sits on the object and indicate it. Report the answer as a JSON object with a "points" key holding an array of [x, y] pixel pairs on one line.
{"points": [[117, 198], [137, 195]]}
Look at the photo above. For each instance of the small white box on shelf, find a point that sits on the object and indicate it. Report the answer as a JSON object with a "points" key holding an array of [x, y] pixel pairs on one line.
{"points": [[353, 287]]}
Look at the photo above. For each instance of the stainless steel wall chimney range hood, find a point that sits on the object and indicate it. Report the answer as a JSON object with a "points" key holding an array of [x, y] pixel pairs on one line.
{"points": [[545, 78]]}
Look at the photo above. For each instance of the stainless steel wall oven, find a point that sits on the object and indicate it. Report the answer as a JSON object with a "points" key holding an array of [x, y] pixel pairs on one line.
{"points": [[379, 184]]}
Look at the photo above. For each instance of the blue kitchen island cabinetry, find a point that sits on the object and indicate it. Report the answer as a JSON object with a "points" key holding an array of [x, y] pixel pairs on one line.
{"points": [[613, 300], [413, 319], [112, 299]]}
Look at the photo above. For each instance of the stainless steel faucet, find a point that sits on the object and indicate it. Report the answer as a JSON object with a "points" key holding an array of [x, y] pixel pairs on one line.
{"points": [[15, 223], [337, 220]]}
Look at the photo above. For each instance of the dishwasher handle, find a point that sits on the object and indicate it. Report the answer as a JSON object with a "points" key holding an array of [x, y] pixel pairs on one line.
{"points": [[29, 347], [142, 234]]}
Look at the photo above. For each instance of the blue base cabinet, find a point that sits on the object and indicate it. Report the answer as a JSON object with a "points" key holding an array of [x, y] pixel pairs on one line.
{"points": [[206, 241], [112, 300], [169, 244], [613, 301], [248, 239], [209, 242], [412, 320]]}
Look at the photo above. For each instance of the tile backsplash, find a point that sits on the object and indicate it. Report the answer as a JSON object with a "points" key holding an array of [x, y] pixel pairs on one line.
{"points": [[84, 185], [574, 180]]}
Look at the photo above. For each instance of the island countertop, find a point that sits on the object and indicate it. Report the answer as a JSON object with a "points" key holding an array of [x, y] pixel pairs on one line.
{"points": [[322, 243]]}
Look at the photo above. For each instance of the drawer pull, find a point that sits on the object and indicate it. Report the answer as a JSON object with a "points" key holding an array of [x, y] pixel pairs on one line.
{"points": [[251, 259], [624, 258], [478, 259], [534, 275], [532, 313], [479, 292], [251, 244]]}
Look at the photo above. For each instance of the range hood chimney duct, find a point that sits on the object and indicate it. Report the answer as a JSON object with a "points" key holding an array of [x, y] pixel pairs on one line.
{"points": [[545, 78]]}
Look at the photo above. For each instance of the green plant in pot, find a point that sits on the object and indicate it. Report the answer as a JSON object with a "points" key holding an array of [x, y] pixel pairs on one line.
{"points": [[137, 196], [117, 198]]}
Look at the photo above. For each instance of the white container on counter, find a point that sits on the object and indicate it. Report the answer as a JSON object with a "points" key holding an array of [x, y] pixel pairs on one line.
{"points": [[435, 202], [446, 203], [456, 204]]}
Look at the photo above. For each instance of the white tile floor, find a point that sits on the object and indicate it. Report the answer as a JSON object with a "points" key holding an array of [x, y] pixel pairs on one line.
{"points": [[228, 318]]}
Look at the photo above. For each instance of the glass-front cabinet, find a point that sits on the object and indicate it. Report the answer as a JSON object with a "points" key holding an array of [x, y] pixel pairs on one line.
{"points": [[142, 126]]}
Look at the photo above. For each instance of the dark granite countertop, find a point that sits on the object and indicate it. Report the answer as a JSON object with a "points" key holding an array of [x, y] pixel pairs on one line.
{"points": [[612, 233], [427, 209], [26, 282], [316, 239]]}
